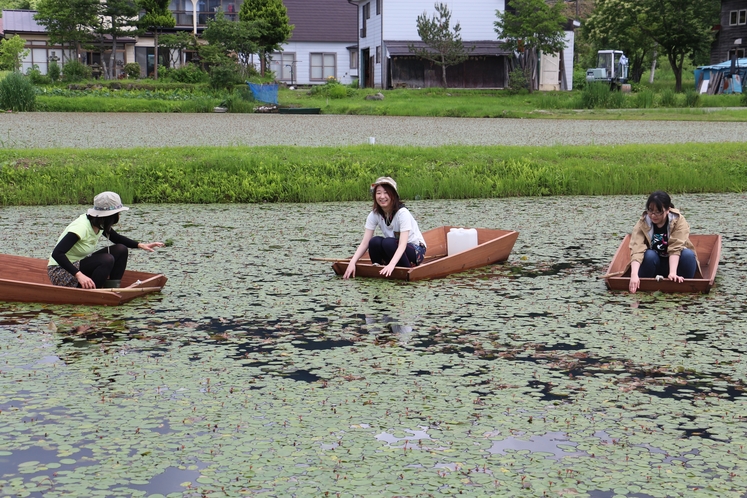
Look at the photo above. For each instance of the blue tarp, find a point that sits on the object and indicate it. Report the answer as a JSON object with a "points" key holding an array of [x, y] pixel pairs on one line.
{"points": [[720, 74], [265, 93]]}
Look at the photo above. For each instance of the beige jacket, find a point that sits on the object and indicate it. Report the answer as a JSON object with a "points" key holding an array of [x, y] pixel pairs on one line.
{"points": [[679, 236]]}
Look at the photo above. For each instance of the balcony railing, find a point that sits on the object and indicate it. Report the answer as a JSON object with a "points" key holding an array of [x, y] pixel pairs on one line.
{"points": [[184, 18]]}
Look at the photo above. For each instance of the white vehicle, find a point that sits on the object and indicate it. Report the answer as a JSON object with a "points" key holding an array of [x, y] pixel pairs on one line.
{"points": [[612, 68]]}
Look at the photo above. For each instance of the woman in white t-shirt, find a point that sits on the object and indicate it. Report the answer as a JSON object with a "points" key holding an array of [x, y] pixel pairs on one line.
{"points": [[402, 243]]}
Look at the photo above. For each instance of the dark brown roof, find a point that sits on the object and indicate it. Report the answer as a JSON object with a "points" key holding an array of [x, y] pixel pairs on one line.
{"points": [[482, 47], [323, 20]]}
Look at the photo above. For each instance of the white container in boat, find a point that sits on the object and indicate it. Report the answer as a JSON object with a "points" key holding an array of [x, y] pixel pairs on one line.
{"points": [[460, 239]]}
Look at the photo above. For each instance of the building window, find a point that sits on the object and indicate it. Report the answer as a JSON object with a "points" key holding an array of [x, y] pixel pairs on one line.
{"points": [[323, 66], [738, 51], [367, 11], [378, 54], [737, 17], [283, 64], [353, 58], [378, 7]]}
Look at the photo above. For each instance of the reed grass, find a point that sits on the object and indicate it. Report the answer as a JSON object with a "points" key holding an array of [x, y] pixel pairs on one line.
{"points": [[296, 174]]}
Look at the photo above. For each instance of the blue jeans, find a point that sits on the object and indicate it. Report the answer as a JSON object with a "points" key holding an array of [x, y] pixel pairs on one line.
{"points": [[653, 264]]}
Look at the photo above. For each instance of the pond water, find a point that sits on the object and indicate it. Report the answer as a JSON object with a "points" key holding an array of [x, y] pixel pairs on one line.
{"points": [[258, 371]]}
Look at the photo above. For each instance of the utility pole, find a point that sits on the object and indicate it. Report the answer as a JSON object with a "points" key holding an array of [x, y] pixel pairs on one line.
{"points": [[577, 10]]}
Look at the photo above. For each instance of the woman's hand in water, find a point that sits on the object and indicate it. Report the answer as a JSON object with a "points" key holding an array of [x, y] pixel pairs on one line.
{"points": [[150, 246]]}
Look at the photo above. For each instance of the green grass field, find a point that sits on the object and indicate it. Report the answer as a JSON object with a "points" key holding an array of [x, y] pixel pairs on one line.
{"points": [[297, 174]]}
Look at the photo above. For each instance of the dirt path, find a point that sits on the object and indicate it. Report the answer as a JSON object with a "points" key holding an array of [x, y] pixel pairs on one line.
{"points": [[96, 130]]}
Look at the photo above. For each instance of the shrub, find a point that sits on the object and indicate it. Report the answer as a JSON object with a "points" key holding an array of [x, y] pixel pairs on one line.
{"points": [[132, 70], [517, 81], [223, 77], [616, 100], [333, 89], [53, 71], [595, 94], [692, 98], [36, 77], [579, 79], [668, 98], [75, 71], [644, 99], [17, 93], [191, 73], [240, 101]]}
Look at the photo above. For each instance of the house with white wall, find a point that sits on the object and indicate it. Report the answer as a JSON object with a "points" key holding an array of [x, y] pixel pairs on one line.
{"points": [[387, 28], [323, 43]]}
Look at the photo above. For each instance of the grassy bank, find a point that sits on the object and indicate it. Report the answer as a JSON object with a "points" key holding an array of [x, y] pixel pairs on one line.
{"points": [[295, 174]]}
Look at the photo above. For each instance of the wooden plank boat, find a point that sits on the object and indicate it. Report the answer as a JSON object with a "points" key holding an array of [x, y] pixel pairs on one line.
{"points": [[25, 279], [492, 246], [708, 249]]}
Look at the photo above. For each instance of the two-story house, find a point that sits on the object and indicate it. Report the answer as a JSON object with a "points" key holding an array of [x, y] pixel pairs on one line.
{"points": [[731, 33], [323, 43], [387, 28]]}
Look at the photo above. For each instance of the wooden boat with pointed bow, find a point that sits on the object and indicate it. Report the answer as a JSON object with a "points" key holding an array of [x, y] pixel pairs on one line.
{"points": [[25, 279], [492, 246], [708, 249]]}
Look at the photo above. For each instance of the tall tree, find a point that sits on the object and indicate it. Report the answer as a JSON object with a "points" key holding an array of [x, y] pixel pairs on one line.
{"points": [[271, 18], [17, 4], [117, 18], [444, 45], [528, 27], [236, 37], [615, 24], [68, 22], [12, 52], [681, 28], [157, 16]]}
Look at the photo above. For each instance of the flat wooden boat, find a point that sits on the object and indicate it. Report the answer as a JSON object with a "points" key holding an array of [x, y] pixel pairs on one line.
{"points": [[492, 246], [708, 249], [26, 280]]}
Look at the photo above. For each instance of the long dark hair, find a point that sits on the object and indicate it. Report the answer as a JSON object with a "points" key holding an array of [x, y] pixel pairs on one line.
{"points": [[393, 195], [104, 223], [660, 200]]}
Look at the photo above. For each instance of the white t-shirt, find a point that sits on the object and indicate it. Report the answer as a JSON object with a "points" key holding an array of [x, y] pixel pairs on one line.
{"points": [[403, 221]]}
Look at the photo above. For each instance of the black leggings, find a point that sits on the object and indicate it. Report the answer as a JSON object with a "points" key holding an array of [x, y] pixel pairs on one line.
{"points": [[381, 250], [107, 263]]}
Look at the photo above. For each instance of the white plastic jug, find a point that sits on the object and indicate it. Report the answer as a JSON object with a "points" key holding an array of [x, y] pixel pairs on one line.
{"points": [[460, 239]]}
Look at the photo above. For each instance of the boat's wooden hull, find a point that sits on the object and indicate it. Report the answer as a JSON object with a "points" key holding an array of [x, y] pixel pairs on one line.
{"points": [[492, 246], [25, 279], [708, 249]]}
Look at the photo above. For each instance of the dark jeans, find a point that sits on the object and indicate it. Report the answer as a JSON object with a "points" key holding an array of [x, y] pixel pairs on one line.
{"points": [[653, 264], [107, 263], [382, 249]]}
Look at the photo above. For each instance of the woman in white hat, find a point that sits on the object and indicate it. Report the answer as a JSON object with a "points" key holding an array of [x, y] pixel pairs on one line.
{"points": [[75, 264], [402, 243]]}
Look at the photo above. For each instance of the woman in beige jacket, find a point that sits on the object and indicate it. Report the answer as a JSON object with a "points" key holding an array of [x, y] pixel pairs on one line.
{"points": [[660, 243]]}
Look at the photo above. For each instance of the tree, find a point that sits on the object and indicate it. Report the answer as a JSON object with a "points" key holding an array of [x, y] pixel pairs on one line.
{"points": [[18, 4], [271, 18], [68, 22], [12, 52], [176, 43], [444, 47], [239, 38], [157, 16], [681, 28], [528, 27], [615, 26], [117, 18]]}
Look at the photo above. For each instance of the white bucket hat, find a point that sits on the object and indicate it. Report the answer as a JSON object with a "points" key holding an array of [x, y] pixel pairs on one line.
{"points": [[106, 204], [384, 179]]}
